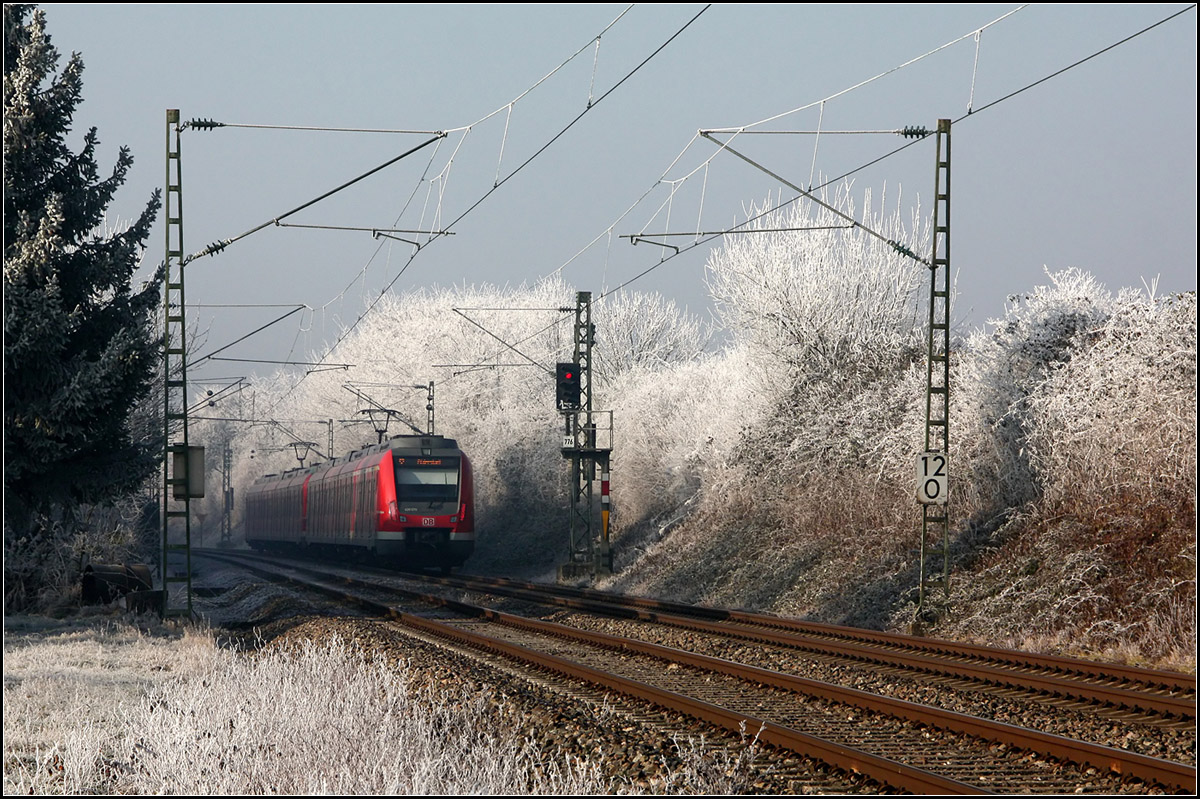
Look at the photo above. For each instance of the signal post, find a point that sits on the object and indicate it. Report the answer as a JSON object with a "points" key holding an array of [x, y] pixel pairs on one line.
{"points": [[587, 444]]}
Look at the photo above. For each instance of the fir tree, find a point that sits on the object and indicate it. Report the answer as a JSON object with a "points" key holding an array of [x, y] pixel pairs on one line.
{"points": [[80, 344]]}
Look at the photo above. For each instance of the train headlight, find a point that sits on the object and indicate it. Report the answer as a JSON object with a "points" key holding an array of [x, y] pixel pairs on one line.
{"points": [[402, 519]]}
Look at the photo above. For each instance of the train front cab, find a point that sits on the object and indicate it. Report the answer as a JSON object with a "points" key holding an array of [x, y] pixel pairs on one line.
{"points": [[427, 505]]}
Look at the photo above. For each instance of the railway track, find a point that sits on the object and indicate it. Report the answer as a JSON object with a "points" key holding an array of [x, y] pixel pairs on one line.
{"points": [[1151, 695], [898, 744]]}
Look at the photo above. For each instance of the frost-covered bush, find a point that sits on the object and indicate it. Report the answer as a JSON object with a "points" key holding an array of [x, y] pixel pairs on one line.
{"points": [[832, 322], [827, 348], [1079, 412], [676, 428], [1002, 367], [1116, 422]]}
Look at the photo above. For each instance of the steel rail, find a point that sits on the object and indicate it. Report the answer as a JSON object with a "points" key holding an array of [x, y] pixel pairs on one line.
{"points": [[1169, 680], [881, 769], [935, 663], [888, 772], [1165, 772], [1173, 775]]}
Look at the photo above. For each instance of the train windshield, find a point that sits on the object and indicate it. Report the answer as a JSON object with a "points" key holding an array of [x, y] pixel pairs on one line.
{"points": [[431, 480]]}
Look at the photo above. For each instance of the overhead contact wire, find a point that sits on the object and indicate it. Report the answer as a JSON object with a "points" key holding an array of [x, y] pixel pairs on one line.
{"points": [[221, 245], [524, 164], [905, 146], [1084, 60]]}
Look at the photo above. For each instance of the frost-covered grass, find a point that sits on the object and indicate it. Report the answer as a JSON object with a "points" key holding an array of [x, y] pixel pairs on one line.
{"points": [[67, 687], [108, 710], [106, 707]]}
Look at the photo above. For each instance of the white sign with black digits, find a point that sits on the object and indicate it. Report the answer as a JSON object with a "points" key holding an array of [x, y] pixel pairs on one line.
{"points": [[932, 477], [568, 442]]}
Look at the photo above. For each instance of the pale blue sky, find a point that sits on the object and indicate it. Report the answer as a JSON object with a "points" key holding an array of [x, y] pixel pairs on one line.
{"points": [[1094, 168]]}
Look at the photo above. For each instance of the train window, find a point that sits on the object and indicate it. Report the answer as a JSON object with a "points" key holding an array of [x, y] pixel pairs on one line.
{"points": [[418, 483]]}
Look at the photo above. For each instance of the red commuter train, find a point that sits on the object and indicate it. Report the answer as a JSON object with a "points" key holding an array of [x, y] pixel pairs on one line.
{"points": [[409, 501]]}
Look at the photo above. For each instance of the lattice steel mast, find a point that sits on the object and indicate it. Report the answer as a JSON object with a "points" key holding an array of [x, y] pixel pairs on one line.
{"points": [[176, 496], [588, 446], [934, 466]]}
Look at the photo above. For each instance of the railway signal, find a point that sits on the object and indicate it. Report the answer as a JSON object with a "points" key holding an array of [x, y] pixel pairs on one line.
{"points": [[567, 386]]}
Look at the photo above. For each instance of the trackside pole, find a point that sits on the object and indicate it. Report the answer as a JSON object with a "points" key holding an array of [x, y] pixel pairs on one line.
{"points": [[587, 444], [183, 465], [933, 464]]}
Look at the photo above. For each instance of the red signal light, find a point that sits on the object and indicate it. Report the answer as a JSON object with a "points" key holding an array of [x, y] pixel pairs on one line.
{"points": [[567, 386]]}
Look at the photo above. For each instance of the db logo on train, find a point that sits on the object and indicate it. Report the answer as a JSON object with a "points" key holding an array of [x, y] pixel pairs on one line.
{"points": [[427, 522]]}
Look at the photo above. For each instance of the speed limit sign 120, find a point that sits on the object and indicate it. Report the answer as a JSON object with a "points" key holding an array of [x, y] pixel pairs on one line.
{"points": [[932, 477]]}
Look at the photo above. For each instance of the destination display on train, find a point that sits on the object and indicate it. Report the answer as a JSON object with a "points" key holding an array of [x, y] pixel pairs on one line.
{"points": [[426, 462]]}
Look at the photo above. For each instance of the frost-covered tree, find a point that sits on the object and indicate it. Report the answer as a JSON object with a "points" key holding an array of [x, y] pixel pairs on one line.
{"points": [[1115, 424], [79, 343], [822, 299], [1077, 419], [828, 319], [642, 330]]}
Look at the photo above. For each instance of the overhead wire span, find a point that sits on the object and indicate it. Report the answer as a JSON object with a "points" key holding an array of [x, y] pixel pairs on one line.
{"points": [[525, 163], [702, 241], [362, 272], [883, 74], [287, 363], [813, 198], [1084, 60], [509, 105], [817, 132], [609, 230], [204, 124], [573, 122], [872, 162], [219, 246], [212, 398], [203, 358], [502, 341], [367, 229], [732, 231], [531, 336]]}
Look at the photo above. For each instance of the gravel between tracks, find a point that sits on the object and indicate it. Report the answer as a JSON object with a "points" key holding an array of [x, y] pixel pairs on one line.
{"points": [[1074, 720], [643, 750]]}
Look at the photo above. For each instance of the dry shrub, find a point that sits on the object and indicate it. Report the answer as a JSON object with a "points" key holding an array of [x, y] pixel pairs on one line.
{"points": [[826, 554], [708, 769], [1096, 585], [43, 563]]}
